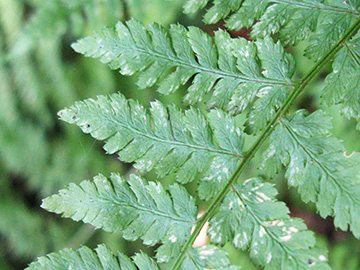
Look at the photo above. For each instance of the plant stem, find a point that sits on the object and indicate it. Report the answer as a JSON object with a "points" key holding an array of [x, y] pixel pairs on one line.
{"points": [[262, 138]]}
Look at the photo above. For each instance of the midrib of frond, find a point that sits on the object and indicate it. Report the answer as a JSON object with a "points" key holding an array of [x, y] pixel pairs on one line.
{"points": [[323, 166], [320, 6], [115, 201], [199, 68], [176, 143], [260, 222]]}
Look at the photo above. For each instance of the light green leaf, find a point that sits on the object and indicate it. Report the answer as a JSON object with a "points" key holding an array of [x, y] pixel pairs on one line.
{"points": [[275, 65], [169, 141], [318, 165], [194, 5], [251, 218], [223, 66], [323, 21], [249, 12], [220, 10], [342, 85], [139, 209], [329, 30], [86, 259]]}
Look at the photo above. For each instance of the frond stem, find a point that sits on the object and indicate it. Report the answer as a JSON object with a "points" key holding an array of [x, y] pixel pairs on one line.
{"points": [[262, 138]]}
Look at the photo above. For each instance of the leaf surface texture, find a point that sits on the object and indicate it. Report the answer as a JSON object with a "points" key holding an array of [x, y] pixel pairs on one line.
{"points": [[318, 165], [137, 208], [233, 70], [86, 259], [251, 218], [170, 140]]}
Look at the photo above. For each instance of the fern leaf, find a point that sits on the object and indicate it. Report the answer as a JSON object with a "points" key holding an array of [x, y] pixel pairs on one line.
{"points": [[342, 85], [170, 140], [317, 164], [329, 31], [192, 6], [207, 257], [251, 218], [218, 11], [140, 209], [324, 21], [226, 66], [87, 259]]}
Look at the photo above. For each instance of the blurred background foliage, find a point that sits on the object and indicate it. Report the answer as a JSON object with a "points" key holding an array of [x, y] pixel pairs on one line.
{"points": [[40, 74]]}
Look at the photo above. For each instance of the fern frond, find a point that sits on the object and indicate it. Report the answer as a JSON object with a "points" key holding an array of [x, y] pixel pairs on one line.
{"points": [[317, 164], [251, 218], [342, 84], [218, 11], [324, 21], [87, 259], [139, 209], [169, 141], [234, 69], [207, 257]]}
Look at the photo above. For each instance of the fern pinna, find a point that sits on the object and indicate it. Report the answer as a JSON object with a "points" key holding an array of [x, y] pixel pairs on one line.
{"points": [[233, 76]]}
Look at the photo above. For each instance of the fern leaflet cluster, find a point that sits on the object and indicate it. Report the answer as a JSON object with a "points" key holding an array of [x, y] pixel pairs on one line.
{"points": [[231, 75], [251, 218], [238, 72], [322, 22], [317, 163], [169, 141], [86, 259], [137, 208], [104, 259]]}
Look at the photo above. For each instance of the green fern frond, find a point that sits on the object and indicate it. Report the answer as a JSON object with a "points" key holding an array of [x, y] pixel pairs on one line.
{"points": [[317, 164], [342, 85], [335, 19], [86, 259], [251, 218], [169, 141], [139, 209], [207, 257], [324, 21], [218, 11], [236, 70]]}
